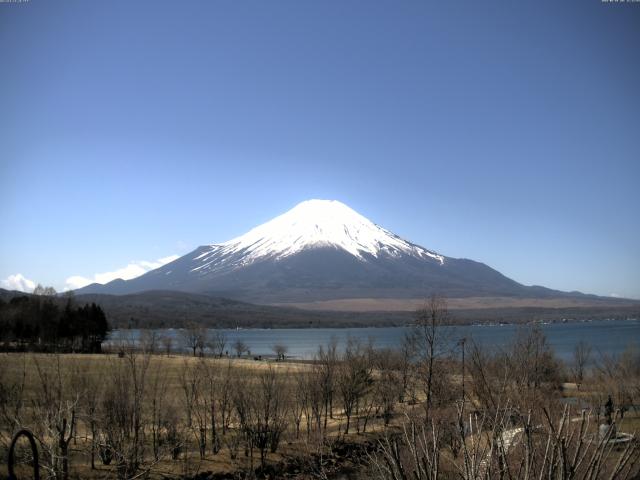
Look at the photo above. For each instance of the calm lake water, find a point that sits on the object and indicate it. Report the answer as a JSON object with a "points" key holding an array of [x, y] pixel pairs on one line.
{"points": [[608, 337]]}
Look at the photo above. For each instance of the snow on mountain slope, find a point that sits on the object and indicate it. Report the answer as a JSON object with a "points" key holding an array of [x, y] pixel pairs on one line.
{"points": [[310, 224], [319, 250]]}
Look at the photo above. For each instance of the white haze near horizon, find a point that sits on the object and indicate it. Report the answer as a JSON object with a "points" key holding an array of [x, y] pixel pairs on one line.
{"points": [[132, 270]]}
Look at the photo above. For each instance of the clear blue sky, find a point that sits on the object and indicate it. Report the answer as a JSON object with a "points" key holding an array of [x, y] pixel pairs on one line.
{"points": [[506, 132]]}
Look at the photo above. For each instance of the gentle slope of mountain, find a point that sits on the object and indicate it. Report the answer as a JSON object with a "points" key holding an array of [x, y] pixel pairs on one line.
{"points": [[323, 250], [171, 309]]}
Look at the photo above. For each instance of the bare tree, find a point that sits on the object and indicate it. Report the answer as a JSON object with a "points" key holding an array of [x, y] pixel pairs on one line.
{"points": [[123, 423], [581, 356], [262, 412], [430, 338], [194, 338], [190, 386], [391, 382], [326, 362], [161, 412], [534, 370], [280, 350], [167, 344], [44, 291], [202, 405], [533, 361], [619, 377], [490, 376], [240, 348], [405, 360], [217, 341], [299, 396], [213, 401], [353, 378], [12, 401], [92, 388], [561, 448], [316, 384], [149, 341], [56, 407], [225, 398]]}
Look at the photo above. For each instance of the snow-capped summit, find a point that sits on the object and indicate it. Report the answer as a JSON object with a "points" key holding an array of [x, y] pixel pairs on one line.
{"points": [[313, 224]]}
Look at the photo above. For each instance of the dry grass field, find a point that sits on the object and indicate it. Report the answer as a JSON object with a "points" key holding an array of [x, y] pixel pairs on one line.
{"points": [[46, 388], [411, 305]]}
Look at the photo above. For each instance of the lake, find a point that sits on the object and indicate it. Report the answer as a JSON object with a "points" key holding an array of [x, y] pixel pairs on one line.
{"points": [[608, 337]]}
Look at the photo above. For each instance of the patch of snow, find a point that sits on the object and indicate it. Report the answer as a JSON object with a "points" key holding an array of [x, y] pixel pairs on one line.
{"points": [[312, 224]]}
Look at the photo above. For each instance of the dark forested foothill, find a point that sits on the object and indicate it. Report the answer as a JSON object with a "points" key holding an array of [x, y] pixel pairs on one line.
{"points": [[47, 323]]}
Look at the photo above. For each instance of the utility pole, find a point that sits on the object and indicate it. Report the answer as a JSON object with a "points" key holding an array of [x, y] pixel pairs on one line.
{"points": [[461, 342]]}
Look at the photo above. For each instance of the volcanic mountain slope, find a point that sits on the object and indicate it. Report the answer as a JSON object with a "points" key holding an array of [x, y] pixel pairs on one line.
{"points": [[323, 250]]}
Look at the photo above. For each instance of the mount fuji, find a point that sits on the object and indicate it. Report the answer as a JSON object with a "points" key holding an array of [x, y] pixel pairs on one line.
{"points": [[322, 250]]}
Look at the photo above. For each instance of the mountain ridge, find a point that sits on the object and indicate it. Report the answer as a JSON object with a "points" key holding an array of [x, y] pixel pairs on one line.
{"points": [[172, 309], [323, 250]]}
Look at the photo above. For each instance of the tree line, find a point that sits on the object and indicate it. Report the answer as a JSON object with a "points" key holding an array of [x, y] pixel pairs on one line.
{"points": [[45, 322]]}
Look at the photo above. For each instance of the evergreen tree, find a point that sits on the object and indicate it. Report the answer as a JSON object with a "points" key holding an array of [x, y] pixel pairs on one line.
{"points": [[40, 320]]}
